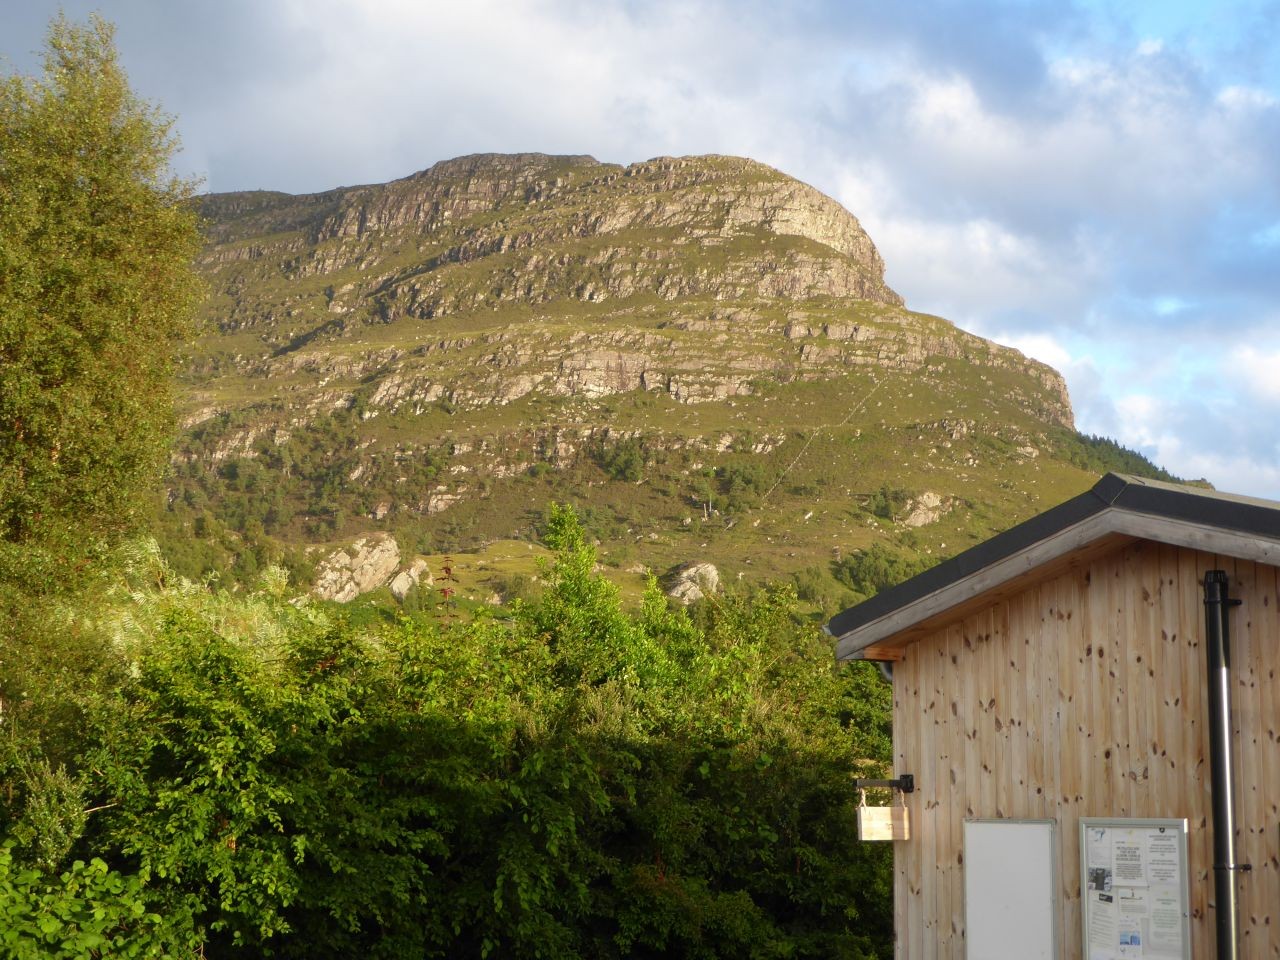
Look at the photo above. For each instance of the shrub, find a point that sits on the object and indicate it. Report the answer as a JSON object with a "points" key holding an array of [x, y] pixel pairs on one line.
{"points": [[624, 460], [878, 567]]}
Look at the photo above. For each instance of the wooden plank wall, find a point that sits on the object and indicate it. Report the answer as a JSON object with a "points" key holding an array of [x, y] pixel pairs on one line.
{"points": [[1085, 696]]}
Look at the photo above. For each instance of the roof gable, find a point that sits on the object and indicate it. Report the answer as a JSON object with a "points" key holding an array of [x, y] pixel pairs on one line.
{"points": [[1117, 509]]}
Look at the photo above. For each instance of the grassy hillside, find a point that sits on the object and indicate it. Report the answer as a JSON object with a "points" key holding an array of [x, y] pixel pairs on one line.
{"points": [[700, 354]]}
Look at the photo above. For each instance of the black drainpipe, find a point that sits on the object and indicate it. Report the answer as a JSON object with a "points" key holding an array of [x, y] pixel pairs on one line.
{"points": [[1216, 604]]}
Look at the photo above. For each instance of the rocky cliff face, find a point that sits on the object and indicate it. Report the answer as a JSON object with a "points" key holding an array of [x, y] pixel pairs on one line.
{"points": [[386, 354], [696, 269], [476, 208]]}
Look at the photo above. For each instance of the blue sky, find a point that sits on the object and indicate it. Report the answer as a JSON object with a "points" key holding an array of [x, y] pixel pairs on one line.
{"points": [[1095, 183]]}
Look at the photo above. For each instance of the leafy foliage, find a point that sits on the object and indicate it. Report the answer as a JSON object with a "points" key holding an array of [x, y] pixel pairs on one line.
{"points": [[578, 781], [742, 485], [819, 587], [87, 911], [96, 287], [878, 567], [888, 501], [623, 460]]}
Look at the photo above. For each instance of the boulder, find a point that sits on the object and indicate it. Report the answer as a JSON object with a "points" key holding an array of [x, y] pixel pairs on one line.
{"points": [[925, 509], [363, 566], [693, 581], [408, 578]]}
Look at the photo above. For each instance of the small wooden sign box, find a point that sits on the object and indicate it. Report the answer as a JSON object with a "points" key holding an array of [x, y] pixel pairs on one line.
{"points": [[883, 823]]}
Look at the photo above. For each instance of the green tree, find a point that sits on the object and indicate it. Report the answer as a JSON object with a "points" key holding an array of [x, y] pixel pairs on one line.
{"points": [[87, 911], [96, 290]]}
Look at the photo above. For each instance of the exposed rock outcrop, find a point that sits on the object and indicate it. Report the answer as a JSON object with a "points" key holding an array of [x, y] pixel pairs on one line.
{"points": [[925, 509], [616, 224], [693, 581], [411, 576], [427, 353], [363, 566]]}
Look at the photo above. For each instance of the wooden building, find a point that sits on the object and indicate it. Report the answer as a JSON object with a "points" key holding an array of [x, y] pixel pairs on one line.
{"points": [[1058, 671]]}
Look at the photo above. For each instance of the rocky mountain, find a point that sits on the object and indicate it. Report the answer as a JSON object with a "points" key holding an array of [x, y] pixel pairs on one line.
{"points": [[702, 353]]}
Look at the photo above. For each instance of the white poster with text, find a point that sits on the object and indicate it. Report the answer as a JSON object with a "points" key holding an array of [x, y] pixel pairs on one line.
{"points": [[1133, 880]]}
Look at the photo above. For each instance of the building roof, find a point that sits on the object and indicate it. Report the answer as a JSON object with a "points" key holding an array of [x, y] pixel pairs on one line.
{"points": [[1116, 510]]}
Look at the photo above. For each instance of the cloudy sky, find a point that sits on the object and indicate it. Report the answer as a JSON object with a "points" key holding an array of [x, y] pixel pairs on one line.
{"points": [[1096, 183]]}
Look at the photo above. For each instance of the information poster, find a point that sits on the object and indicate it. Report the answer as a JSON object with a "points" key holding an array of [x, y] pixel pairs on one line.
{"points": [[1133, 886]]}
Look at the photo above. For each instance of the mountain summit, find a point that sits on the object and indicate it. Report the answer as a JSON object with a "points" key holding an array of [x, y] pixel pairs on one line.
{"points": [[616, 232]]}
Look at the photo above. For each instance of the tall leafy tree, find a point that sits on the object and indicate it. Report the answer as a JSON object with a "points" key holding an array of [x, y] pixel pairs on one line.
{"points": [[96, 289]]}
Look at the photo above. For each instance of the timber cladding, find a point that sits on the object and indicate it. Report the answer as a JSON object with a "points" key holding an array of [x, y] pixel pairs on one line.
{"points": [[1084, 695]]}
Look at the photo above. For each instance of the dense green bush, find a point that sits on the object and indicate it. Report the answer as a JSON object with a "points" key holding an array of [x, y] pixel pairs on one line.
{"points": [[878, 567], [817, 586], [579, 781], [88, 910], [888, 501], [624, 459], [742, 485]]}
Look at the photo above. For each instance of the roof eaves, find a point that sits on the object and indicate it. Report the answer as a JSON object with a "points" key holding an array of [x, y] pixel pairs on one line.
{"points": [[1210, 507], [1071, 538], [1116, 504]]}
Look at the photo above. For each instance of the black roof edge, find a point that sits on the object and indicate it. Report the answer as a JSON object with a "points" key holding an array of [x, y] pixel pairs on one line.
{"points": [[976, 558], [1176, 501], [1137, 494]]}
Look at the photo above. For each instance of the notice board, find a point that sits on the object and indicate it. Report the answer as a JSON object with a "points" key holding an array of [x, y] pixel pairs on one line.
{"points": [[1134, 889], [1010, 889]]}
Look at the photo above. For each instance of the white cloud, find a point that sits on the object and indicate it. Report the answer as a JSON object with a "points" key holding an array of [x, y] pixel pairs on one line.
{"points": [[1197, 434], [1143, 423], [1241, 98], [1260, 370], [974, 270], [1240, 472]]}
